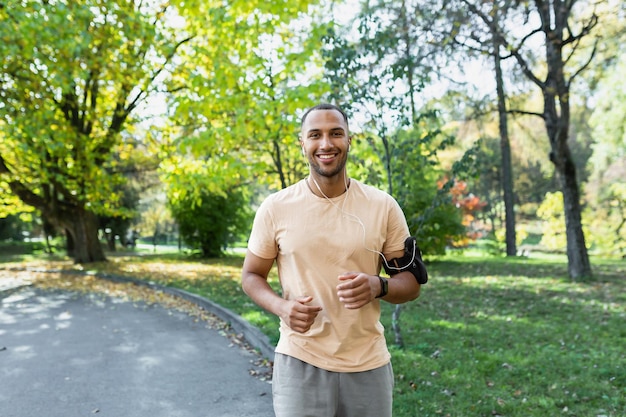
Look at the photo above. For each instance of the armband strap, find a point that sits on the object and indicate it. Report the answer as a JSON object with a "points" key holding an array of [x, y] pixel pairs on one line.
{"points": [[411, 262]]}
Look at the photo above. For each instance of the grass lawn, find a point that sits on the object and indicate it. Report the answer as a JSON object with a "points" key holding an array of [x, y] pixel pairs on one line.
{"points": [[513, 338], [487, 337]]}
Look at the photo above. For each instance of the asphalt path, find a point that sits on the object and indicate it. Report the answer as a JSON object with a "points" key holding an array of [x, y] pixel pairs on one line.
{"points": [[66, 354]]}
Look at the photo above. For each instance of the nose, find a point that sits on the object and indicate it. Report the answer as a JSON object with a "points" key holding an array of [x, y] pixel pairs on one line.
{"points": [[326, 143]]}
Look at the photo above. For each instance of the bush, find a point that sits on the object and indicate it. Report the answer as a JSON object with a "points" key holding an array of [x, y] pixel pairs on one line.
{"points": [[213, 223]]}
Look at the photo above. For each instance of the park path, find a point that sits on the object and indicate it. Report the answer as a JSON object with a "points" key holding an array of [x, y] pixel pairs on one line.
{"points": [[70, 354]]}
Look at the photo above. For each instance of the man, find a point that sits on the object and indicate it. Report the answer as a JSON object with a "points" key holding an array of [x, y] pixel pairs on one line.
{"points": [[327, 234]]}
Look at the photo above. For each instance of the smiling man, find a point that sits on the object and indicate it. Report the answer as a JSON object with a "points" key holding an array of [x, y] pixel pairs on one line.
{"points": [[329, 235]]}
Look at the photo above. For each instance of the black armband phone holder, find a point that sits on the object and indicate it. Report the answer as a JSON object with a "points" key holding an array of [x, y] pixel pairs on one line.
{"points": [[411, 262]]}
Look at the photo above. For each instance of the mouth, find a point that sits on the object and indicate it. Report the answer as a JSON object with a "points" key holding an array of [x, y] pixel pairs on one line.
{"points": [[327, 157]]}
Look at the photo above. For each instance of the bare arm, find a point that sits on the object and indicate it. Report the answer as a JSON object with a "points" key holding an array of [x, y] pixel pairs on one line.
{"points": [[297, 314]]}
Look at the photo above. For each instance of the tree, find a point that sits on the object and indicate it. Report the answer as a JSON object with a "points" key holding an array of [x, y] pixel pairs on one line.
{"points": [[505, 145], [560, 42], [465, 32], [245, 77], [234, 107], [563, 29], [72, 76]]}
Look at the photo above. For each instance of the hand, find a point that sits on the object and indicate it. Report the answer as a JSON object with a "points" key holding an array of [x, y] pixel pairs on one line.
{"points": [[357, 289], [299, 315]]}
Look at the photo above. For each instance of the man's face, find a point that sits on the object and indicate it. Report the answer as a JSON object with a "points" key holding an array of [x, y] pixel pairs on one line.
{"points": [[325, 140]]}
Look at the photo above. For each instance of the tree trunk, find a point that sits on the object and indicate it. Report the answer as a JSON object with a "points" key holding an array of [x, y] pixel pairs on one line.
{"points": [[505, 155], [83, 230], [278, 163], [578, 264], [69, 244], [395, 324], [110, 239], [557, 125], [155, 235], [80, 225], [556, 114], [48, 231]]}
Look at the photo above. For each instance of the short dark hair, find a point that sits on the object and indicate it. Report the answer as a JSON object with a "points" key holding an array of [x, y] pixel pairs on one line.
{"points": [[324, 106]]}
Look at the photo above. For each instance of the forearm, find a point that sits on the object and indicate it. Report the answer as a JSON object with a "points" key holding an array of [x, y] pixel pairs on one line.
{"points": [[402, 287], [260, 291]]}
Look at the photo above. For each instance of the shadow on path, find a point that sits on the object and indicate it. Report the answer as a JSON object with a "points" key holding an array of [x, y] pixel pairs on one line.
{"points": [[64, 354]]}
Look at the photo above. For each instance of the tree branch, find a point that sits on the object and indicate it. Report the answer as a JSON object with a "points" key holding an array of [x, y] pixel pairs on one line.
{"points": [[20, 190], [585, 65], [525, 113], [515, 51]]}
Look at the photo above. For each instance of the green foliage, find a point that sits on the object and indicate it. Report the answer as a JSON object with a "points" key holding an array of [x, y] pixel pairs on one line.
{"points": [[11, 228], [416, 173], [69, 72], [553, 223], [487, 181], [207, 195], [73, 74], [16, 251], [531, 183], [236, 94], [120, 223], [520, 235], [553, 226], [379, 75], [416, 176], [155, 219], [607, 224], [10, 204], [243, 79], [606, 191], [212, 222]]}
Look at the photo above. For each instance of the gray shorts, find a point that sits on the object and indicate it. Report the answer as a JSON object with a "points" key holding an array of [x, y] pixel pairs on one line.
{"points": [[303, 390]]}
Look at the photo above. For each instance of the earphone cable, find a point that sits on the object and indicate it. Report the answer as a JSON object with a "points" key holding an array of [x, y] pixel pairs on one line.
{"points": [[351, 216]]}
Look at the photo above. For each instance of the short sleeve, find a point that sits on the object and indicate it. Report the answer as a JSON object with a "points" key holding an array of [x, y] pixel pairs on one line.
{"points": [[397, 228], [262, 241]]}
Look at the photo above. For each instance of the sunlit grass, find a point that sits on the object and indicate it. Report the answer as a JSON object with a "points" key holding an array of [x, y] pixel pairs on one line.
{"points": [[512, 343]]}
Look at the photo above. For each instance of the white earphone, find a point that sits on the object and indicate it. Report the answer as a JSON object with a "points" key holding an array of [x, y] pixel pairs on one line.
{"points": [[356, 218]]}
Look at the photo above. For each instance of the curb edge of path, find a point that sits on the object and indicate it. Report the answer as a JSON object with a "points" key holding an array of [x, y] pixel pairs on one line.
{"points": [[257, 339]]}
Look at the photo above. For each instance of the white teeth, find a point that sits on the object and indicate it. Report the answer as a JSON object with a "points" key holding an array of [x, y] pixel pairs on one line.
{"points": [[325, 156]]}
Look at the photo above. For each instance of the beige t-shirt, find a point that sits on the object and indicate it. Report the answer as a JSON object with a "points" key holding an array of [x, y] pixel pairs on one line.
{"points": [[315, 240]]}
